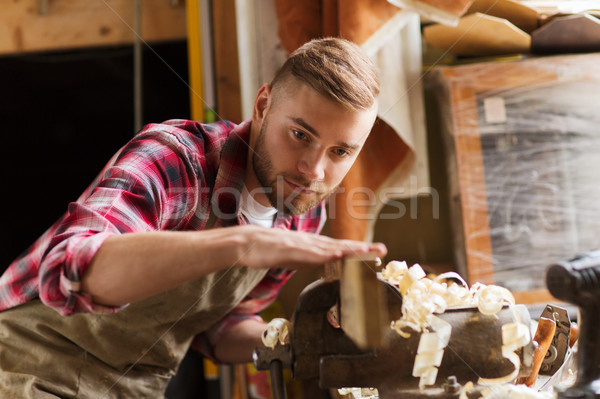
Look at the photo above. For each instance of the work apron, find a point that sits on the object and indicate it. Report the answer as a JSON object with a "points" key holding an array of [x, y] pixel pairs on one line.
{"points": [[130, 354]]}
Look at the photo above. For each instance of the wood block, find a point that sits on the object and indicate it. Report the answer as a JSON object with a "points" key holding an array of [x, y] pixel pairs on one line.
{"points": [[364, 316], [479, 35], [446, 12], [517, 13], [71, 24], [570, 34]]}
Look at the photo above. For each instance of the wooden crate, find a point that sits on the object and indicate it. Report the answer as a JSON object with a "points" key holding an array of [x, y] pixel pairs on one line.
{"points": [[523, 150]]}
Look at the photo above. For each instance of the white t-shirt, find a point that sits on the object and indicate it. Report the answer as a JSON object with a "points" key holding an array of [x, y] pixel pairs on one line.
{"points": [[257, 214]]}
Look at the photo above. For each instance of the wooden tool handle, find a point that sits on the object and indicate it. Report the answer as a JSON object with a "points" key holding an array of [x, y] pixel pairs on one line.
{"points": [[574, 334], [543, 336]]}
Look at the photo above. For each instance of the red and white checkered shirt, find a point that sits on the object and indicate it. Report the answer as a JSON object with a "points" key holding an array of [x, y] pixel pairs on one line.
{"points": [[168, 177]]}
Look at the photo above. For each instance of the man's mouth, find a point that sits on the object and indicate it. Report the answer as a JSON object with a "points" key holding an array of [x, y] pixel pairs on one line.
{"points": [[299, 188]]}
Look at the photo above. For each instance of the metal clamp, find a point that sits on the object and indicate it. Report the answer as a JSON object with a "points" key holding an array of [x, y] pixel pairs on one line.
{"points": [[560, 343]]}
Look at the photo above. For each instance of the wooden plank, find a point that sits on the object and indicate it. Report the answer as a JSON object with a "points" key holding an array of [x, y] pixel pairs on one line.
{"points": [[472, 187], [72, 24], [478, 35], [442, 11], [364, 316], [227, 75], [519, 14]]}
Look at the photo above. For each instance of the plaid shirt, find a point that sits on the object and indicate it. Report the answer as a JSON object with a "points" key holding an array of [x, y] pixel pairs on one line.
{"points": [[169, 177]]}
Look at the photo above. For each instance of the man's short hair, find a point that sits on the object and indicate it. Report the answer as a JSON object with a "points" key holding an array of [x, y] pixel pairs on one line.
{"points": [[336, 68]]}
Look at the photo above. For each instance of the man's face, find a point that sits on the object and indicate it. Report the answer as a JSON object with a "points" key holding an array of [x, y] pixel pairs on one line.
{"points": [[305, 146]]}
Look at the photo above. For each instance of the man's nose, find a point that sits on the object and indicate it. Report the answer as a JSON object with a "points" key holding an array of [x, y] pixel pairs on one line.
{"points": [[312, 167]]}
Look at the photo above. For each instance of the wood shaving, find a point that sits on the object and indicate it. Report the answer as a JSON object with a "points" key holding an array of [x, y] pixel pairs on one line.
{"points": [[277, 331], [359, 393]]}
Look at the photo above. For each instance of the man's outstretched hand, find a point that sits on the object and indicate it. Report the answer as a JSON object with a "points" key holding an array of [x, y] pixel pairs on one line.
{"points": [[268, 248], [130, 267]]}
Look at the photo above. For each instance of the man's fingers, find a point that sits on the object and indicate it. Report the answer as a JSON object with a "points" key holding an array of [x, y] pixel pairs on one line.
{"points": [[289, 249], [332, 249], [357, 247]]}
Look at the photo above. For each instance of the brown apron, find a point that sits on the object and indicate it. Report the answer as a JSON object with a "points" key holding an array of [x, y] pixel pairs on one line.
{"points": [[131, 354]]}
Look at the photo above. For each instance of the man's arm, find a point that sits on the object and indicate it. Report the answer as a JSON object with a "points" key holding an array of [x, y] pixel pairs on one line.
{"points": [[236, 344], [134, 266]]}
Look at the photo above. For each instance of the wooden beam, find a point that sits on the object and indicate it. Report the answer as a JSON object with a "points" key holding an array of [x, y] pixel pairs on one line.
{"points": [[227, 75], [195, 59], [69, 24]]}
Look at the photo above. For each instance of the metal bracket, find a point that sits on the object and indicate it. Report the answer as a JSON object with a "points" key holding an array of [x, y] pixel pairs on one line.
{"points": [[560, 343]]}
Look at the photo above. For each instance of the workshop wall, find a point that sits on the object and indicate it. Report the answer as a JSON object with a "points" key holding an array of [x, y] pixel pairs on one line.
{"points": [[63, 115], [66, 99]]}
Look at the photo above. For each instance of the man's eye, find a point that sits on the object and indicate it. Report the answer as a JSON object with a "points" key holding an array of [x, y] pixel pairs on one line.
{"points": [[300, 135], [340, 152]]}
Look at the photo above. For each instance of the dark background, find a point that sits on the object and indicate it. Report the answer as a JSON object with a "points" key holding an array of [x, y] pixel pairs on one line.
{"points": [[62, 116]]}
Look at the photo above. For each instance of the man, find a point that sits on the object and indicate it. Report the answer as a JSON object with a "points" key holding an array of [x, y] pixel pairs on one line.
{"points": [[189, 231]]}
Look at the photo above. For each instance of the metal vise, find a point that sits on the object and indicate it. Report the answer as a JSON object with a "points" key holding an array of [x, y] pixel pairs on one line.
{"points": [[578, 281], [322, 353]]}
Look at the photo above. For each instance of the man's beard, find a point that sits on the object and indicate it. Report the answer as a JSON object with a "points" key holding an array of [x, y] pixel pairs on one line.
{"points": [[274, 185]]}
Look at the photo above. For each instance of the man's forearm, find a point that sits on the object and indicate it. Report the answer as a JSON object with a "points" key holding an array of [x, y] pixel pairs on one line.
{"points": [[134, 266], [237, 343]]}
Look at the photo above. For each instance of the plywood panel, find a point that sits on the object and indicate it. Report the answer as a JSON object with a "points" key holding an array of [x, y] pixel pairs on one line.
{"points": [[74, 23]]}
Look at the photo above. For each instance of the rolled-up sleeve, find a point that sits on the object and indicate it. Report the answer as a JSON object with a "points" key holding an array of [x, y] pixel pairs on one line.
{"points": [[151, 185]]}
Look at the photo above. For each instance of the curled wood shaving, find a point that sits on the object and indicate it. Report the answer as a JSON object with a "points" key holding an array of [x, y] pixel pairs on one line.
{"points": [[431, 351], [491, 298], [394, 271], [359, 393], [514, 336], [277, 331]]}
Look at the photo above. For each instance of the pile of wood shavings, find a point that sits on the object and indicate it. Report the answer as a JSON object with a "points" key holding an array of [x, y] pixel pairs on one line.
{"points": [[424, 297]]}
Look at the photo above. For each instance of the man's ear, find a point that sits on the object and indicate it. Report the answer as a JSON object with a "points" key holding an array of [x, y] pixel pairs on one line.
{"points": [[262, 103]]}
